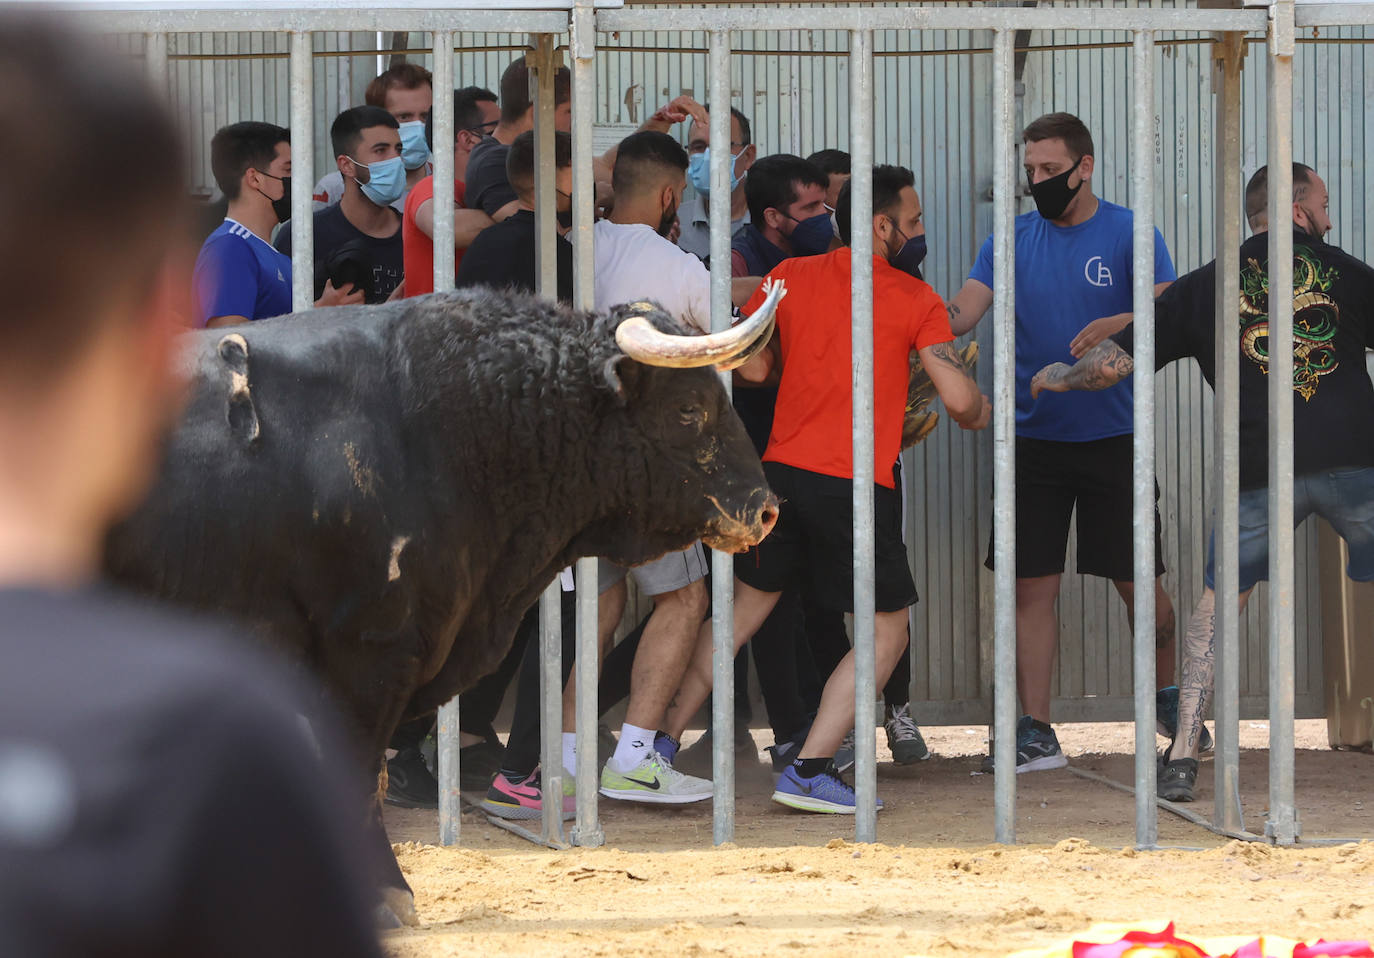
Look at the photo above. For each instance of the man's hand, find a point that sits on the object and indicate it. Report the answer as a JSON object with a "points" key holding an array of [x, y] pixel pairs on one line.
{"points": [[337, 297], [680, 109], [1096, 331], [1050, 378]]}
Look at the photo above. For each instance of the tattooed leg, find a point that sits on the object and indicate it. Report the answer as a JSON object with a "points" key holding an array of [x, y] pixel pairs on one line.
{"points": [[1199, 676]]}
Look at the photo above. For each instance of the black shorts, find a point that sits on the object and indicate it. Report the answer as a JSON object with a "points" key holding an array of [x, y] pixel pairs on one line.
{"points": [[1096, 477], [812, 545]]}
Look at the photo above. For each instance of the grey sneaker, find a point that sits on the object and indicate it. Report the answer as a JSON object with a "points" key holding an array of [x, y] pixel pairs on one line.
{"points": [[844, 758], [1178, 780], [904, 739]]}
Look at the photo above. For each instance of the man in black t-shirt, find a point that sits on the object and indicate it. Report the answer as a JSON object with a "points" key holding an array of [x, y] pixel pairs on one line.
{"points": [[359, 238], [1333, 416], [159, 795], [503, 256]]}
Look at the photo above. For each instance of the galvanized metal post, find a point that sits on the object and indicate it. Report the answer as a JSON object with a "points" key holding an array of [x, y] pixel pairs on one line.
{"points": [[583, 38], [1282, 825], [1143, 298], [450, 736], [155, 60], [1004, 433], [1226, 435], [722, 563], [552, 772], [861, 385], [302, 171]]}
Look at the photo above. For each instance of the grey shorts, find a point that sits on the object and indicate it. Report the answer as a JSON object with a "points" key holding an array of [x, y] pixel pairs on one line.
{"points": [[664, 574]]}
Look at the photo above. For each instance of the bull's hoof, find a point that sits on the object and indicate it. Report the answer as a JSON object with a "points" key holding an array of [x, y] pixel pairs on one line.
{"points": [[396, 909]]}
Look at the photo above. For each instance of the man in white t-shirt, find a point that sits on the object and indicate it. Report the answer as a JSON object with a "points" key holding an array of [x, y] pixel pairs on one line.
{"points": [[635, 261], [406, 91]]}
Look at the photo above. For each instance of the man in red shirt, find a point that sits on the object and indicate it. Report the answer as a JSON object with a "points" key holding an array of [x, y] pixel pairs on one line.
{"points": [[809, 464], [475, 113]]}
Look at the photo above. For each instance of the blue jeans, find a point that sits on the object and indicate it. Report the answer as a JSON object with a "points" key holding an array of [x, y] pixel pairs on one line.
{"points": [[1343, 497]]}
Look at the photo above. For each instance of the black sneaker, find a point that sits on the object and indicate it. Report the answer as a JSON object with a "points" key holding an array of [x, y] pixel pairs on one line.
{"points": [[478, 765], [1166, 718], [1178, 779], [1036, 751], [409, 782]]}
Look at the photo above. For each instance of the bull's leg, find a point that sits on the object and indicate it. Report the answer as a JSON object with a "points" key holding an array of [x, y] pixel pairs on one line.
{"points": [[374, 693]]}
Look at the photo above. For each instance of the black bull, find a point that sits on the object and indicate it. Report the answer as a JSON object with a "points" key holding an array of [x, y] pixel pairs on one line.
{"points": [[380, 493]]}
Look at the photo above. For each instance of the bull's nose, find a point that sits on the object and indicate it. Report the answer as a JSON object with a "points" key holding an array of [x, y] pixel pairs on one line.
{"points": [[768, 514]]}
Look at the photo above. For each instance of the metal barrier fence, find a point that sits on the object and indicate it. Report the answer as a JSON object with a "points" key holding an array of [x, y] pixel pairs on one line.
{"points": [[583, 20]]}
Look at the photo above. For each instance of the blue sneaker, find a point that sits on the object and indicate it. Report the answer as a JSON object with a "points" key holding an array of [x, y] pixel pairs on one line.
{"points": [[1166, 718], [826, 792], [1036, 751]]}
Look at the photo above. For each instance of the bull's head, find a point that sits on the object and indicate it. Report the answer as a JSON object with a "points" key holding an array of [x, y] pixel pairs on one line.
{"points": [[696, 462]]}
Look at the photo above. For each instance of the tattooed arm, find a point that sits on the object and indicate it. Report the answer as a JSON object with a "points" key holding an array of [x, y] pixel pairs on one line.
{"points": [[963, 399], [1106, 364], [968, 306]]}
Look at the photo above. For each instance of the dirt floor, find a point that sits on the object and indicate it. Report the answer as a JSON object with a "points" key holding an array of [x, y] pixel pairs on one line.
{"points": [[794, 883]]}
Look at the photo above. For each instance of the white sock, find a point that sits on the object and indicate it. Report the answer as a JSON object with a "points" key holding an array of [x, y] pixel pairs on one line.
{"points": [[634, 744], [570, 753]]}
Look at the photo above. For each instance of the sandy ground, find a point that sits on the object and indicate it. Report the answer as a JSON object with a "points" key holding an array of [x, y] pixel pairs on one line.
{"points": [[794, 883]]}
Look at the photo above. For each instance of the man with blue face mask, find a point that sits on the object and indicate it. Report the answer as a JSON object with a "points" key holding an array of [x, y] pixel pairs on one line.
{"points": [[695, 218], [359, 239], [406, 91]]}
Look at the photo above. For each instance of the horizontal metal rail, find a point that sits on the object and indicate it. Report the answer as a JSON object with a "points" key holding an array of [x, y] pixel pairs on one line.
{"points": [[380, 16], [1334, 15], [929, 18]]}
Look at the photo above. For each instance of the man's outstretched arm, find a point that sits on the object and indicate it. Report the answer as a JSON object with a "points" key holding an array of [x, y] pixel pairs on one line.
{"points": [[1106, 364]]}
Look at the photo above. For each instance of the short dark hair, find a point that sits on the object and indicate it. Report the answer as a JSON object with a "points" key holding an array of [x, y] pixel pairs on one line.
{"points": [[828, 161], [515, 89], [347, 131], [772, 183], [404, 76], [746, 132], [642, 160], [520, 161], [1061, 126], [888, 183], [242, 146], [83, 225], [1257, 190], [467, 111]]}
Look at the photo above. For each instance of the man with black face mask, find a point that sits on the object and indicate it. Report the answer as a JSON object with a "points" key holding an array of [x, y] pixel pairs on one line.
{"points": [[1073, 452], [239, 276]]}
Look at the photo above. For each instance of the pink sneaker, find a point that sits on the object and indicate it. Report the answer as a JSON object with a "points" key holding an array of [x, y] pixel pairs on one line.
{"points": [[521, 800]]}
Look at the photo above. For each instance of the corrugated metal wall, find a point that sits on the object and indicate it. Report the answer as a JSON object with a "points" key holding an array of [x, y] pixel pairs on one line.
{"points": [[932, 114]]}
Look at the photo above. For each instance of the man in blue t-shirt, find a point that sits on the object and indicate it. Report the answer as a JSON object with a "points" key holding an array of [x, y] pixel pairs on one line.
{"points": [[1073, 451], [239, 276]]}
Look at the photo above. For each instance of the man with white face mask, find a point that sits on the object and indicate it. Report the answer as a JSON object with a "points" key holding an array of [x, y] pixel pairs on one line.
{"points": [[406, 91], [358, 240]]}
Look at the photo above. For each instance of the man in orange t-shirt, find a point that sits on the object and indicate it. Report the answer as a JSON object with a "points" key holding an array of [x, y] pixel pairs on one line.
{"points": [[809, 464], [475, 114]]}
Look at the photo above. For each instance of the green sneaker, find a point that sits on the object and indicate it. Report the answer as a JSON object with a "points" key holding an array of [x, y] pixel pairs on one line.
{"points": [[655, 782]]}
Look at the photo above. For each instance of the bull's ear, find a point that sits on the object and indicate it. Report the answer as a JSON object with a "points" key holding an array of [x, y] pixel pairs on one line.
{"points": [[621, 375]]}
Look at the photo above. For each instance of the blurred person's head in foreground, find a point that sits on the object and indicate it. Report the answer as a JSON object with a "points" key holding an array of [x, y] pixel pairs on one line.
{"points": [[92, 204]]}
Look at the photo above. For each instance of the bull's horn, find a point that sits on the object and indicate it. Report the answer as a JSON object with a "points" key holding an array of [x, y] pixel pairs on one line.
{"points": [[641, 340]]}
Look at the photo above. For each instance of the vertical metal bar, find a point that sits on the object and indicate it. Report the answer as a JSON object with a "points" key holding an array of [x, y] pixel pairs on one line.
{"points": [[583, 37], [1282, 826], [1143, 298], [1226, 437], [449, 739], [551, 602], [1004, 433], [302, 172], [722, 564], [442, 117], [155, 61], [861, 385]]}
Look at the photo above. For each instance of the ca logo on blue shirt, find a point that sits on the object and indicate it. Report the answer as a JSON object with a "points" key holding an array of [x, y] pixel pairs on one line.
{"points": [[1096, 272]]}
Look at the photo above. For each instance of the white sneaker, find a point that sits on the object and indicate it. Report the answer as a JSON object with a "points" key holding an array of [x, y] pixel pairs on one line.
{"points": [[654, 782]]}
